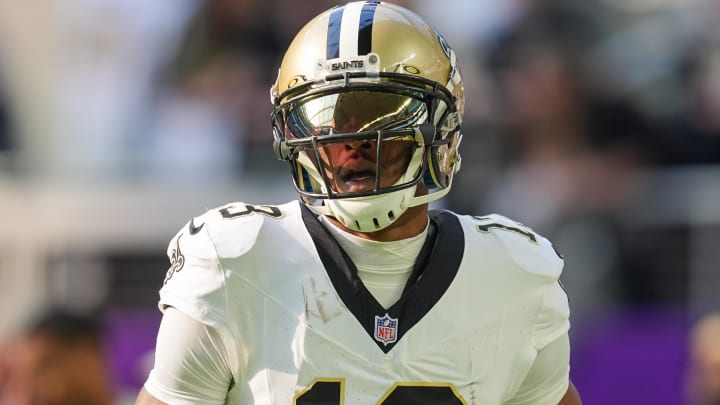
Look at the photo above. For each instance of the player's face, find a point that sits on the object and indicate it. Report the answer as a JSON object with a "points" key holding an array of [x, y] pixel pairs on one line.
{"points": [[351, 166], [354, 165]]}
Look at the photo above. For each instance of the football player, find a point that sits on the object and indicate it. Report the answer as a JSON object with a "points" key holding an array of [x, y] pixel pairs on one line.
{"points": [[58, 358], [358, 293]]}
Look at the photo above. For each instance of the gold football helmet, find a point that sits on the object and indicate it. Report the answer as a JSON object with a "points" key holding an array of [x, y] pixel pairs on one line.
{"points": [[368, 103]]}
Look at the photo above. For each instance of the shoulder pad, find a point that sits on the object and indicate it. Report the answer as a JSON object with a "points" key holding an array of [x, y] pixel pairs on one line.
{"points": [[195, 282], [233, 228], [529, 250]]}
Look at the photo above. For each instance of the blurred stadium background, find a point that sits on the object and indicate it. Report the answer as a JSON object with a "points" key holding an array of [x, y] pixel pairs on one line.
{"points": [[595, 122]]}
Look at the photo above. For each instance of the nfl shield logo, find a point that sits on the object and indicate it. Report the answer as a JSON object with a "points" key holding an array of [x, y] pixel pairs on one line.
{"points": [[385, 329]]}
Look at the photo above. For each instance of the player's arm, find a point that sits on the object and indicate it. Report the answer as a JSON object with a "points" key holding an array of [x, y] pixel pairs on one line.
{"points": [[547, 380], [145, 398], [191, 364], [572, 397]]}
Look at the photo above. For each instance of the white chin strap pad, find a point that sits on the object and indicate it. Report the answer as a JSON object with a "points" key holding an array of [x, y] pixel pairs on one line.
{"points": [[370, 214]]}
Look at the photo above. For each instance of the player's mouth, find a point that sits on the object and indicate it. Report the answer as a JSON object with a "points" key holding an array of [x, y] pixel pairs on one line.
{"points": [[358, 180]]}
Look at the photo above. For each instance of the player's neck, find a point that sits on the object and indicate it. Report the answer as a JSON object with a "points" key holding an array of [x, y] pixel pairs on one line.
{"points": [[411, 223]]}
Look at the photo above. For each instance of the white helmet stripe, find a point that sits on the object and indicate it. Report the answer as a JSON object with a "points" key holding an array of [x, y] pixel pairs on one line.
{"points": [[349, 30]]}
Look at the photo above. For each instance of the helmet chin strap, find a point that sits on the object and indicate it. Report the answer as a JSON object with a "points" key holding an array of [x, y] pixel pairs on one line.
{"points": [[342, 209], [370, 214], [429, 197]]}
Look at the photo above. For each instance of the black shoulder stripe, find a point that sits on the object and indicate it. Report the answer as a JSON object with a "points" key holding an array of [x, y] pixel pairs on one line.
{"points": [[367, 15]]}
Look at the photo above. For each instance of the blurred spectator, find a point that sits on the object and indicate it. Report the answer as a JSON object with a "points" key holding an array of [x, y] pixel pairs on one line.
{"points": [[81, 77], [703, 378], [213, 102], [695, 133], [567, 147], [58, 360]]}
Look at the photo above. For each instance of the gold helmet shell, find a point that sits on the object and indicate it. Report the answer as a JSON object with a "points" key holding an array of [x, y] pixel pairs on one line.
{"points": [[402, 39]]}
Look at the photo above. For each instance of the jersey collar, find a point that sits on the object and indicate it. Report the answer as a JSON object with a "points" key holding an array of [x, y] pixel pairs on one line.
{"points": [[433, 272]]}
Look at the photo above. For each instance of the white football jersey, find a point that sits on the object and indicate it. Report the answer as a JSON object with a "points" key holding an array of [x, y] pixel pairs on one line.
{"points": [[301, 328]]}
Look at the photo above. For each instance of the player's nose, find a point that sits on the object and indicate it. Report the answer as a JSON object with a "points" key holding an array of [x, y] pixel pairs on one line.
{"points": [[357, 145]]}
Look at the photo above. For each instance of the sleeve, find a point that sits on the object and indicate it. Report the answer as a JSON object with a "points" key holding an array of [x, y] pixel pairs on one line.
{"points": [[194, 283], [553, 320], [191, 362], [548, 378], [549, 375]]}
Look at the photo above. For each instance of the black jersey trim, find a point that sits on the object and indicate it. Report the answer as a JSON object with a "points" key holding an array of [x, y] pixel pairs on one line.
{"points": [[434, 271]]}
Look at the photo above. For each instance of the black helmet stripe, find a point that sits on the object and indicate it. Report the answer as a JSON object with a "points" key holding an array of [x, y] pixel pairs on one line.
{"points": [[350, 30], [333, 33], [365, 28]]}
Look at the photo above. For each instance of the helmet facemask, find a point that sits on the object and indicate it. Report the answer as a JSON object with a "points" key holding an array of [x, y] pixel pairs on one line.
{"points": [[360, 148]]}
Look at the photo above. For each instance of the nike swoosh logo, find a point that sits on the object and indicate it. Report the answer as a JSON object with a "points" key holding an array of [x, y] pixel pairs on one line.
{"points": [[194, 229]]}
